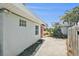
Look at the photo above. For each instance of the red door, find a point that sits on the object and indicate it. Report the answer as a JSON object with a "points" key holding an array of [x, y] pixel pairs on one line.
{"points": [[42, 30]]}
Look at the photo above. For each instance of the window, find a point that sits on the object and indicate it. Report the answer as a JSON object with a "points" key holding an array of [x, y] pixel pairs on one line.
{"points": [[77, 32], [36, 30], [63, 22], [22, 23]]}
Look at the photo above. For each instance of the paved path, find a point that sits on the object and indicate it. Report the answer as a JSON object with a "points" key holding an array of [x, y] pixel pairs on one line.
{"points": [[52, 47]]}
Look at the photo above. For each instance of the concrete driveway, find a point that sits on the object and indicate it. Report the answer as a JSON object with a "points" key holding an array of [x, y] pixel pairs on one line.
{"points": [[52, 47]]}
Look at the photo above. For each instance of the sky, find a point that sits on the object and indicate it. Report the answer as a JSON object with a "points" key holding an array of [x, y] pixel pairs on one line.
{"points": [[50, 12]]}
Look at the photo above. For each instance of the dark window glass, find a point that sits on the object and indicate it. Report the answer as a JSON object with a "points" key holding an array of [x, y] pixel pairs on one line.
{"points": [[36, 30], [22, 23], [77, 32]]}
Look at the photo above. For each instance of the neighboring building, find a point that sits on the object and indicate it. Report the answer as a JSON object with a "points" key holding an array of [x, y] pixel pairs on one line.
{"points": [[19, 29], [64, 27]]}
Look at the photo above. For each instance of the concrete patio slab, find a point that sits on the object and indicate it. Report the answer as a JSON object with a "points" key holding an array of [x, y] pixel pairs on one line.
{"points": [[52, 47]]}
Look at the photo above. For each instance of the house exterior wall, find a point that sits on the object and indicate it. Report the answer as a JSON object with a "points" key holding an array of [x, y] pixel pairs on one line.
{"points": [[65, 27], [64, 30], [1, 33], [17, 38], [21, 10]]}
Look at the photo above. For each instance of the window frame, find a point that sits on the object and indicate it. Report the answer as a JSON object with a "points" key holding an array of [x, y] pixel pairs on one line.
{"points": [[36, 30], [22, 23]]}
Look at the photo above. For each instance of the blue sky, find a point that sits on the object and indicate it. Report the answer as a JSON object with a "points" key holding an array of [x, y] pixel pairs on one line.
{"points": [[50, 12]]}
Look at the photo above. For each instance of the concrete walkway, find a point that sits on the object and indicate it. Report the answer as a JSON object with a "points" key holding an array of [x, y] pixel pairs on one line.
{"points": [[52, 47]]}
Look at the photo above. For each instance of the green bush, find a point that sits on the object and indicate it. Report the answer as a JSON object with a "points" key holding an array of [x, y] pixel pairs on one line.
{"points": [[57, 33]]}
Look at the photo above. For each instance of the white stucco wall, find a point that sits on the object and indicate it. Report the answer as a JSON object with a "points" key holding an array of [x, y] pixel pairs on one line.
{"points": [[15, 37], [1, 33], [64, 30]]}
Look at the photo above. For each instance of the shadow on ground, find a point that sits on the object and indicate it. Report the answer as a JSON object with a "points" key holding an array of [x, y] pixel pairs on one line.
{"points": [[30, 51]]}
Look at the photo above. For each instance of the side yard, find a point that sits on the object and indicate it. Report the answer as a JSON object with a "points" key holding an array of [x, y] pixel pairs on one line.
{"points": [[52, 47], [48, 46]]}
